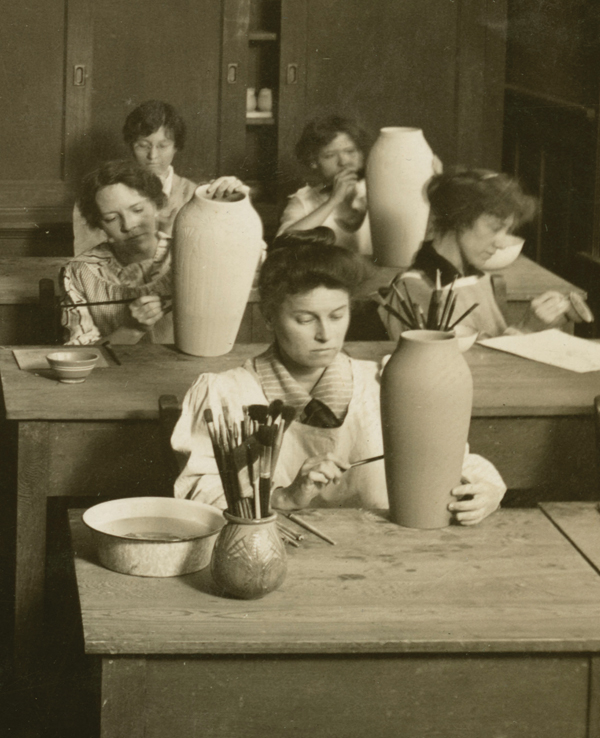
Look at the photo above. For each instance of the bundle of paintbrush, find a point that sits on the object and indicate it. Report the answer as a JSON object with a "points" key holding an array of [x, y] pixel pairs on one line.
{"points": [[246, 454], [439, 313]]}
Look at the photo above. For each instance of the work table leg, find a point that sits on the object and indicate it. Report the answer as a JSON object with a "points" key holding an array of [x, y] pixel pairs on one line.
{"points": [[32, 490]]}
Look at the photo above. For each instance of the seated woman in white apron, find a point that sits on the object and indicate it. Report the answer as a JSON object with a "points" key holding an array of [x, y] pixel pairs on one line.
{"points": [[305, 295], [473, 214]]}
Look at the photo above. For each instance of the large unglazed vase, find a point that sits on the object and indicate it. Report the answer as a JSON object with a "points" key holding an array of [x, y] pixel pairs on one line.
{"points": [[426, 400], [217, 246], [398, 168]]}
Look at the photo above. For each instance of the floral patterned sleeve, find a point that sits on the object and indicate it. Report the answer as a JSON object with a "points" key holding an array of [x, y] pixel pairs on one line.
{"points": [[77, 320]]}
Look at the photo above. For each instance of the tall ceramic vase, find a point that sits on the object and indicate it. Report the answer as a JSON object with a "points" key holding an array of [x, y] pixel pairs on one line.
{"points": [[217, 245], [399, 166], [426, 399]]}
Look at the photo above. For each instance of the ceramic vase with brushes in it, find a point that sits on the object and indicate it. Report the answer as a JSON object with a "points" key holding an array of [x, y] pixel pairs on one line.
{"points": [[398, 168], [249, 558], [426, 400], [217, 248]]}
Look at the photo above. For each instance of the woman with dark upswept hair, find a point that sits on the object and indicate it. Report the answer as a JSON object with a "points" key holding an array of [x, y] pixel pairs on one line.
{"points": [[305, 294], [154, 132], [473, 214]]}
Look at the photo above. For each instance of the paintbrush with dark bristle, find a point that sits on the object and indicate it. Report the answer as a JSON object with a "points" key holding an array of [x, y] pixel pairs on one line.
{"points": [[265, 436], [288, 413]]}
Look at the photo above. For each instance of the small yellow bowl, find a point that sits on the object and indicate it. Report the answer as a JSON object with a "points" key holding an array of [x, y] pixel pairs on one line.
{"points": [[72, 367]]}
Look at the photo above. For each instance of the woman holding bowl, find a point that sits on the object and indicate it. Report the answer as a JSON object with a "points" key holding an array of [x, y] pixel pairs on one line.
{"points": [[473, 214], [305, 294]]}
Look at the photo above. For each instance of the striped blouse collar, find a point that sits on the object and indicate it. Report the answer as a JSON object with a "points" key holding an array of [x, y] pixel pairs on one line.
{"points": [[334, 389]]}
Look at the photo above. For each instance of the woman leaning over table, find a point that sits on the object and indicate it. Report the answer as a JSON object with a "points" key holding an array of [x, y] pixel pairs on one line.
{"points": [[305, 294], [155, 133], [133, 263], [473, 213]]}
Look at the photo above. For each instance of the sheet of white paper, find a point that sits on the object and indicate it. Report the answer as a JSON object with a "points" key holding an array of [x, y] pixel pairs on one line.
{"points": [[551, 347]]}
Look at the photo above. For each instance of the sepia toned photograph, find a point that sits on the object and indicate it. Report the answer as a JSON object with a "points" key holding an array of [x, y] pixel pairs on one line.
{"points": [[300, 369]]}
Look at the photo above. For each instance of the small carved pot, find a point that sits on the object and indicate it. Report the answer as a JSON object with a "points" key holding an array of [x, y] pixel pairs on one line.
{"points": [[249, 558]]}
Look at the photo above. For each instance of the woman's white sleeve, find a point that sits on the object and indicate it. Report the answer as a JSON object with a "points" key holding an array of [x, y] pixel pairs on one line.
{"points": [[200, 476], [294, 211]]}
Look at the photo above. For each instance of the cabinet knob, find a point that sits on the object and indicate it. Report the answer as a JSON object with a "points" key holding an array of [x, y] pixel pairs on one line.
{"points": [[291, 74], [232, 74]]}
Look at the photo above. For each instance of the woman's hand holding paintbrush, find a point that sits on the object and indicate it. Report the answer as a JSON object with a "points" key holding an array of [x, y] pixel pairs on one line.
{"points": [[314, 474]]}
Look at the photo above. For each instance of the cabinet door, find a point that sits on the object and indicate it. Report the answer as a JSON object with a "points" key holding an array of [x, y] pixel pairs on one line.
{"points": [[424, 63], [150, 49], [45, 100]]}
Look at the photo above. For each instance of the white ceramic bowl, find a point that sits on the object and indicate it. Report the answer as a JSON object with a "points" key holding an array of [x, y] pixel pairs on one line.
{"points": [[154, 536], [72, 367], [466, 336], [505, 255]]}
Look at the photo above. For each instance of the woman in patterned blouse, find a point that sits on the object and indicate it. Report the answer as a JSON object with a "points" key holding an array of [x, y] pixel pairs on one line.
{"points": [[133, 263]]}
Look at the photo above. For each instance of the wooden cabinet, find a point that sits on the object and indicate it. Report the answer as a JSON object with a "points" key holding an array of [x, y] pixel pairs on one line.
{"points": [[76, 68]]}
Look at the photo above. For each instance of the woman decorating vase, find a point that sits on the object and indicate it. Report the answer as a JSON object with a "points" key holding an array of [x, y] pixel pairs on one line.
{"points": [[333, 149], [473, 214], [305, 294], [154, 132], [120, 289]]}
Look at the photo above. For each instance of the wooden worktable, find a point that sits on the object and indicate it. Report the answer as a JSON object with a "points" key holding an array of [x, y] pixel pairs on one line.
{"points": [[19, 293], [504, 385], [458, 632], [100, 438]]}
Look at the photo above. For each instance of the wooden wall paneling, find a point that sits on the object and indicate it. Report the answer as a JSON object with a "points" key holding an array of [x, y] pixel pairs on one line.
{"points": [[493, 94], [552, 48], [40, 118], [234, 77], [149, 49], [31, 89], [78, 86], [388, 63], [292, 90], [480, 83], [46, 116], [470, 82], [549, 145]]}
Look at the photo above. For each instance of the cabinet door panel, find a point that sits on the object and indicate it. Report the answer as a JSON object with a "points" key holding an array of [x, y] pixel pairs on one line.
{"points": [[386, 63], [31, 89], [42, 108], [149, 49], [425, 63]]}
